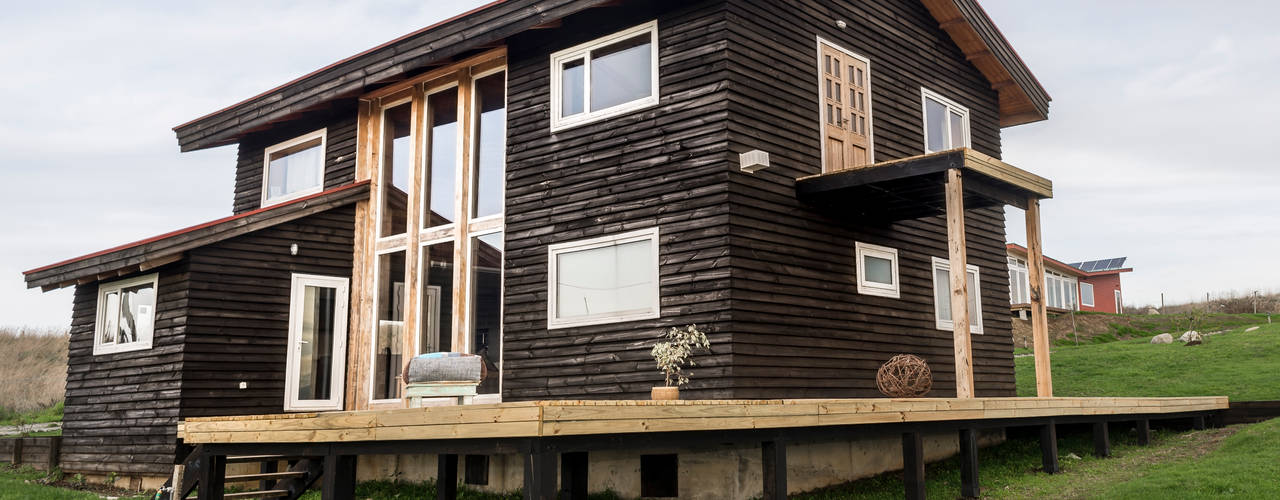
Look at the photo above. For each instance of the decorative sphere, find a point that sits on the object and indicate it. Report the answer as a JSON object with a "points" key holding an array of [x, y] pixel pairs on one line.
{"points": [[904, 376]]}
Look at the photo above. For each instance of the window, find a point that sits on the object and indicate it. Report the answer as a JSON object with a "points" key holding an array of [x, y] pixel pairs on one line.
{"points": [[1086, 294], [844, 84], [946, 124], [294, 168], [942, 296], [660, 476], [877, 270], [605, 77], [603, 280], [126, 315], [315, 364], [1060, 291], [1018, 281]]}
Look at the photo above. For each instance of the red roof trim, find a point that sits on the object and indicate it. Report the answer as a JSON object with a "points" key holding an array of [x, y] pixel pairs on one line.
{"points": [[330, 66], [199, 226]]}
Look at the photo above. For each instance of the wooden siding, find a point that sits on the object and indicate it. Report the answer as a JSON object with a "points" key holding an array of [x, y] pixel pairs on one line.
{"points": [[664, 166], [339, 156], [800, 329], [238, 313], [122, 409]]}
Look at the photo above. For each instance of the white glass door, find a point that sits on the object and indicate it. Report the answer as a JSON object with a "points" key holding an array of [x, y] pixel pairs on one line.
{"points": [[314, 373]]}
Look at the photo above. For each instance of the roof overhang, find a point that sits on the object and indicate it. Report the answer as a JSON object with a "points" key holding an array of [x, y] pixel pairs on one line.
{"points": [[167, 248], [1017, 250]]}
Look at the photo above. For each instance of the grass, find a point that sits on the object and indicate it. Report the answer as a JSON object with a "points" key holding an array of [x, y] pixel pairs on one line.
{"points": [[26, 483], [33, 364], [1239, 365], [1246, 465], [40, 416]]}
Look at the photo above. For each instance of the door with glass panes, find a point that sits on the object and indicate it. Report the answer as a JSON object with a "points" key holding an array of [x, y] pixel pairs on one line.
{"points": [[314, 371], [845, 88]]}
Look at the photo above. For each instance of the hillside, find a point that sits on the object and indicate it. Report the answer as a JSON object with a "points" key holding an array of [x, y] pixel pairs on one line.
{"points": [[33, 365], [1087, 327]]}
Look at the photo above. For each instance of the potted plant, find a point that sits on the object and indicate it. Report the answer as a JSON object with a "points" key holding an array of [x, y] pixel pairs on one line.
{"points": [[672, 355]]}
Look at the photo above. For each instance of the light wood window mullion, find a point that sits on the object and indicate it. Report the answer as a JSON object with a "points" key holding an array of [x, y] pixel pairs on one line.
{"points": [[462, 204]]}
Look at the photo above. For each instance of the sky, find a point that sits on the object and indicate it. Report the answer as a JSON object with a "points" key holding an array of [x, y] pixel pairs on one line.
{"points": [[1157, 139]]}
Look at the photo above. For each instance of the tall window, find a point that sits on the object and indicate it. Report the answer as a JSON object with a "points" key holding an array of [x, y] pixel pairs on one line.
{"points": [[1018, 292], [946, 124], [942, 296], [605, 77], [1060, 290], [844, 81], [126, 315], [439, 251], [294, 168], [1086, 294], [603, 280]]}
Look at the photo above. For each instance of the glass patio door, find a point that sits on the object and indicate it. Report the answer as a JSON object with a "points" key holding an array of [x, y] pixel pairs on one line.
{"points": [[314, 374]]}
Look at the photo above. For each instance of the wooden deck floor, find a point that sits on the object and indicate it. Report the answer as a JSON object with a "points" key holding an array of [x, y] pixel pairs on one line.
{"points": [[579, 418]]}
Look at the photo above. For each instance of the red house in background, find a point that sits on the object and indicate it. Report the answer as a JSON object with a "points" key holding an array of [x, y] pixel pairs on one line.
{"points": [[1082, 286]]}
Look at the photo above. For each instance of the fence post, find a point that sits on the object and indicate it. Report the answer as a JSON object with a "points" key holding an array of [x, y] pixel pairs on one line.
{"points": [[55, 452]]}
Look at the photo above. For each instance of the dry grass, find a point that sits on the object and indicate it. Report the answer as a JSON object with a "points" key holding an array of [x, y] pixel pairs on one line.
{"points": [[33, 368]]}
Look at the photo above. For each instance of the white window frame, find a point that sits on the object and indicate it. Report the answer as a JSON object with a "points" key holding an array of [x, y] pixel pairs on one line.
{"points": [[338, 376], [144, 342], [975, 292], [323, 135], [1091, 301], [864, 250], [1019, 273], [583, 51], [951, 106], [1119, 305], [553, 251]]}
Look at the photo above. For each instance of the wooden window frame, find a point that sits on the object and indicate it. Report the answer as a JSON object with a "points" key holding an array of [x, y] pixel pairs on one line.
{"points": [[583, 51], [1091, 302], [940, 264], [822, 122], [952, 106], [864, 250], [297, 293], [144, 342], [655, 305], [323, 135]]}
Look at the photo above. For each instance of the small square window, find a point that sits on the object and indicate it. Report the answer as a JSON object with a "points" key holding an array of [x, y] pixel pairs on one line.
{"points": [[605, 77], [603, 280], [659, 476], [942, 296], [946, 124], [877, 270], [126, 315], [294, 168]]}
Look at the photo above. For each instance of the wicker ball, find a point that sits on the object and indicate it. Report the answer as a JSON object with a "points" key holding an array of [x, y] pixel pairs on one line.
{"points": [[904, 376]]}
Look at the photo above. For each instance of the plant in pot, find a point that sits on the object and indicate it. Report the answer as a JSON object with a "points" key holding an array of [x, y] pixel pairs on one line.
{"points": [[672, 355]]}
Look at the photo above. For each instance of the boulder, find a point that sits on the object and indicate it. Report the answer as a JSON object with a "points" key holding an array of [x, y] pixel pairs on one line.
{"points": [[1189, 335], [1163, 338]]}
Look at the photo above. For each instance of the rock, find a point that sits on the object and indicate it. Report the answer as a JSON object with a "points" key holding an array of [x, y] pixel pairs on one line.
{"points": [[1163, 338], [1072, 456], [1252, 328], [1189, 335]]}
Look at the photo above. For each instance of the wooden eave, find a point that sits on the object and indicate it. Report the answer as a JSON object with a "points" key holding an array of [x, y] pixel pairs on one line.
{"points": [[1021, 97], [166, 248], [404, 57], [912, 187]]}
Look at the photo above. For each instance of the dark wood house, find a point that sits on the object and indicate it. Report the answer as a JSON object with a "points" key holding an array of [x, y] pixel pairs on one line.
{"points": [[551, 184]]}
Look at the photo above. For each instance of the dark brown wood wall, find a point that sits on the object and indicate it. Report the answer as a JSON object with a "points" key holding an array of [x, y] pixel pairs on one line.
{"points": [[800, 329], [122, 409], [339, 157], [664, 166], [238, 313]]}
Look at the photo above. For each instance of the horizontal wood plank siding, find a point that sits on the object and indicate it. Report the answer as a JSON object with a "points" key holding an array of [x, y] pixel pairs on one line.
{"points": [[339, 157], [801, 330], [664, 166]]}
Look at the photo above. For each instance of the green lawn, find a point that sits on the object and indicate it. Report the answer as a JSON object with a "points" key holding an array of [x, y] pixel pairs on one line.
{"points": [[50, 414], [1242, 366]]}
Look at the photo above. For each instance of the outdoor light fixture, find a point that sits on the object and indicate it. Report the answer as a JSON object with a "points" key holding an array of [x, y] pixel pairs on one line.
{"points": [[293, 249], [841, 24]]}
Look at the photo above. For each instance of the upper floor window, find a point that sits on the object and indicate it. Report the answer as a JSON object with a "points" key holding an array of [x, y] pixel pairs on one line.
{"points": [[844, 85], [603, 280], [946, 124], [605, 77], [942, 296], [877, 270], [293, 168], [126, 315]]}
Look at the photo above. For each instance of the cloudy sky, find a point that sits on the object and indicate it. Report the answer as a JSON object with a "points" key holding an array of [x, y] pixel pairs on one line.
{"points": [[1157, 143]]}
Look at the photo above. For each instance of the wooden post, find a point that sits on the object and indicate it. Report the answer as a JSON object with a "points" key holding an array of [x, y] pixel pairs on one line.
{"points": [[773, 468], [959, 284], [969, 464], [268, 467], [55, 451], [213, 477], [1101, 440], [1049, 447], [573, 475], [446, 476], [17, 452], [1039, 318], [1197, 422], [1144, 432], [539, 474], [913, 465], [339, 477]]}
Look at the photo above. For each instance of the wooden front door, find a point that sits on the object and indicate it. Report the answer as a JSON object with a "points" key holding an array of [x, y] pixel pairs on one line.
{"points": [[846, 108]]}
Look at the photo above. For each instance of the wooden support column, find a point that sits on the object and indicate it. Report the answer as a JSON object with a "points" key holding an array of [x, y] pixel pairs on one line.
{"points": [[213, 477], [268, 467], [573, 475], [539, 474], [17, 452], [1101, 440], [773, 468], [969, 464], [1049, 447], [446, 476], [959, 284], [1198, 423], [55, 452], [1144, 432], [1039, 318], [913, 465], [339, 477]]}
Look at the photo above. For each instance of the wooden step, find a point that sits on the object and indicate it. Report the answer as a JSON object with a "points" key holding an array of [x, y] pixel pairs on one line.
{"points": [[265, 475], [258, 494], [239, 459]]}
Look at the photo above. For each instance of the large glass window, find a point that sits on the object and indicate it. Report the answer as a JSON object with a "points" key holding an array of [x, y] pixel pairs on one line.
{"points": [[293, 168], [435, 330], [388, 336], [442, 162], [942, 295], [490, 145], [877, 270], [397, 155], [605, 77], [1018, 293], [604, 280], [946, 124], [486, 305], [1086, 294], [126, 315]]}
